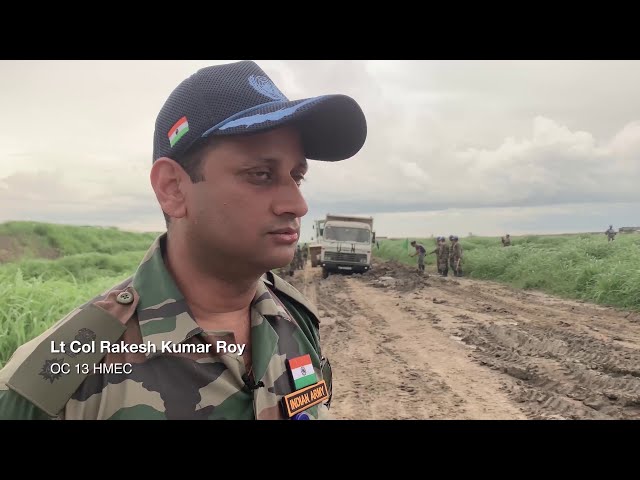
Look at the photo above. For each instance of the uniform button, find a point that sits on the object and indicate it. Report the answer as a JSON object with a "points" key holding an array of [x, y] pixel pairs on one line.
{"points": [[124, 298]]}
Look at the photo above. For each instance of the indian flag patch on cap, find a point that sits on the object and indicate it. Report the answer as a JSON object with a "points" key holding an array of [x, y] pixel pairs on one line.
{"points": [[178, 130], [302, 371]]}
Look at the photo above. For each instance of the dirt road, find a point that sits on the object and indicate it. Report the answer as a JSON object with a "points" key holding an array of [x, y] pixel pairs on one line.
{"points": [[409, 347]]}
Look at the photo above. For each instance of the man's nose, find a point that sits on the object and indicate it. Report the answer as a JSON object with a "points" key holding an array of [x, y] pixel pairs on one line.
{"points": [[289, 200]]}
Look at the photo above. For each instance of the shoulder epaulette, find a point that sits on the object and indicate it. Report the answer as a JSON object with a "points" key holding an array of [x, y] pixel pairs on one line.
{"points": [[287, 289], [47, 377]]}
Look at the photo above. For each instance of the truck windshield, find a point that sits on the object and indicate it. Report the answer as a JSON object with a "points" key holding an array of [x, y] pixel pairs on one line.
{"points": [[345, 234]]}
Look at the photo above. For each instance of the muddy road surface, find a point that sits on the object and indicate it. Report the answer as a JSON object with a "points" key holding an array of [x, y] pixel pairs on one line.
{"points": [[405, 346]]}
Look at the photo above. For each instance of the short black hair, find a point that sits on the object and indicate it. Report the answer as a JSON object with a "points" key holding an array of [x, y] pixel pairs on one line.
{"points": [[192, 161]]}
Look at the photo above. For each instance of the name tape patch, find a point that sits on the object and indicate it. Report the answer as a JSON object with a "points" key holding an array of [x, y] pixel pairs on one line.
{"points": [[304, 398]]}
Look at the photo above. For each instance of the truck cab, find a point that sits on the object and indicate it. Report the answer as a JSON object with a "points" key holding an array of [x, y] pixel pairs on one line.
{"points": [[346, 243]]}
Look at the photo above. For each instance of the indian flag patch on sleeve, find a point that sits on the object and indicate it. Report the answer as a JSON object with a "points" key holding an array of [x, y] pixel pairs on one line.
{"points": [[302, 371], [178, 130]]}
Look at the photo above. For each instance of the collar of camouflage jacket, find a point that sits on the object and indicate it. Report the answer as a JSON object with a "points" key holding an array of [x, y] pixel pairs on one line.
{"points": [[164, 315]]}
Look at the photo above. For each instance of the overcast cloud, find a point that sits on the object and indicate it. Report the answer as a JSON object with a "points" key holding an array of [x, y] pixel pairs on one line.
{"points": [[453, 146]]}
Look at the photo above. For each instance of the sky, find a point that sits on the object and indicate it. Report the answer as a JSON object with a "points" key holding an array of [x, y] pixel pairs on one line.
{"points": [[453, 147]]}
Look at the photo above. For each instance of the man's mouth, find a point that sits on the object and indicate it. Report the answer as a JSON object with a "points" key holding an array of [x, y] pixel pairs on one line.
{"points": [[285, 231], [285, 235]]}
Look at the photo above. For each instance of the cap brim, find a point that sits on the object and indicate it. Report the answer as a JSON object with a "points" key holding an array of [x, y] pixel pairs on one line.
{"points": [[333, 127]]}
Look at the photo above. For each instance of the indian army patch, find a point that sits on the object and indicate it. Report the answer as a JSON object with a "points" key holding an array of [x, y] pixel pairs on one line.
{"points": [[308, 391], [296, 402]]}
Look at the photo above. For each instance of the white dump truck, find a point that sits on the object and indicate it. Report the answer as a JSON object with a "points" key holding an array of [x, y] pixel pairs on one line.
{"points": [[345, 243], [315, 247]]}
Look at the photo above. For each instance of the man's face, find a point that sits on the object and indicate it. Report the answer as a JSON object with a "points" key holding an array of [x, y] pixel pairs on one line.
{"points": [[246, 213]]}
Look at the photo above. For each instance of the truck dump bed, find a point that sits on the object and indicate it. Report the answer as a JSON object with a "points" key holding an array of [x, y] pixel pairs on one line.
{"points": [[349, 218]]}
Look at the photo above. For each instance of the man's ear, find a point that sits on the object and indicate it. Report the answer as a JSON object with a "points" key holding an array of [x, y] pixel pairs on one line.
{"points": [[168, 180]]}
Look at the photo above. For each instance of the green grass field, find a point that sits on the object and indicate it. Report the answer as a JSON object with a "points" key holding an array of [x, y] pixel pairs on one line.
{"points": [[81, 262], [35, 292], [584, 267]]}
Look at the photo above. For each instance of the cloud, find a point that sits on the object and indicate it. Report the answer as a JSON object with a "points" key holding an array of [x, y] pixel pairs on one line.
{"points": [[76, 137], [554, 165]]}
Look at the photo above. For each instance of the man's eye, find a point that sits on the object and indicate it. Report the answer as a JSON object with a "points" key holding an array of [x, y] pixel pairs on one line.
{"points": [[298, 178], [261, 176]]}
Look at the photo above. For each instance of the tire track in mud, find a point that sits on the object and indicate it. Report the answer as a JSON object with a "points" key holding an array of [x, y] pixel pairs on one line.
{"points": [[568, 375], [451, 348], [383, 369], [563, 366], [596, 320], [365, 341]]}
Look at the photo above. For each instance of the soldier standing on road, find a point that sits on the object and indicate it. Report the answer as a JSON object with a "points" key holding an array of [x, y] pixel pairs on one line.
{"points": [[443, 261], [298, 258], [451, 262], [437, 251], [229, 154], [442, 256], [456, 257]]}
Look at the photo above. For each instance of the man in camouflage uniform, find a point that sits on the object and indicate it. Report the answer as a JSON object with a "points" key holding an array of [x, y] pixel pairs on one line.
{"points": [[452, 264], [299, 261], [456, 256], [229, 155], [610, 233], [443, 257], [506, 241]]}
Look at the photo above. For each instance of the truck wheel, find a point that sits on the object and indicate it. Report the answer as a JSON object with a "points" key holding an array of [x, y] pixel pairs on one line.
{"points": [[325, 273]]}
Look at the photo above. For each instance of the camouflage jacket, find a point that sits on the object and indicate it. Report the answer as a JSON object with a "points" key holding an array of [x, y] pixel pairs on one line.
{"points": [[149, 310], [443, 255], [455, 252], [440, 251]]}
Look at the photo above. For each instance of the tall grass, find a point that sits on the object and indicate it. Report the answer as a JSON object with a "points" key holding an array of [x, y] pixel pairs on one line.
{"points": [[71, 240], [584, 267], [29, 306], [36, 292], [80, 268]]}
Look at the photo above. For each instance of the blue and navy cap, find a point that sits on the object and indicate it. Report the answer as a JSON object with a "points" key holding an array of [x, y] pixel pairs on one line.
{"points": [[239, 98]]}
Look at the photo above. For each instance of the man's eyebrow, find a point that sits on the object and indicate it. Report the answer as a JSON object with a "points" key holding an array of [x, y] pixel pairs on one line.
{"points": [[302, 164]]}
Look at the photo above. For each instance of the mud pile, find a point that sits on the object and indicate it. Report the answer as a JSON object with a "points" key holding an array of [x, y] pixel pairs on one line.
{"points": [[396, 276]]}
